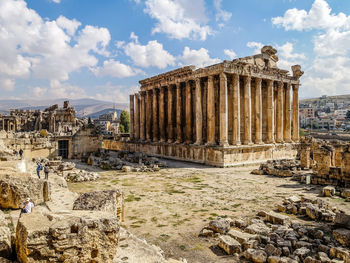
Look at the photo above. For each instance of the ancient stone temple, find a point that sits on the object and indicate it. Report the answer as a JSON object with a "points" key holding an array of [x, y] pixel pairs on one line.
{"points": [[234, 112]]}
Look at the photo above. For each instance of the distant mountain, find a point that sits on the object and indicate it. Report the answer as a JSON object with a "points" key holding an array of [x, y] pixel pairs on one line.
{"points": [[324, 99], [83, 107], [96, 114]]}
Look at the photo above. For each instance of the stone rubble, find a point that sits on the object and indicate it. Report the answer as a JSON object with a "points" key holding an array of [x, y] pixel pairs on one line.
{"points": [[126, 161], [274, 237]]}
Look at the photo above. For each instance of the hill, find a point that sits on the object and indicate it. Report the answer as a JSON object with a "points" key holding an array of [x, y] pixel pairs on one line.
{"points": [[325, 99], [84, 107], [96, 114]]}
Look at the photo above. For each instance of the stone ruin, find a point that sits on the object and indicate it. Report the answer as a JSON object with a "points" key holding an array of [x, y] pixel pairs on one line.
{"points": [[276, 238], [320, 163], [125, 161]]}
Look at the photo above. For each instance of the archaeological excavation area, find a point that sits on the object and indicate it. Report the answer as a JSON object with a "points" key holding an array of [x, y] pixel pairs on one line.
{"points": [[213, 170]]}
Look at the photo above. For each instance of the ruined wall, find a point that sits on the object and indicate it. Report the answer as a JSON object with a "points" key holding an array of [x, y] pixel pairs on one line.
{"points": [[85, 142]]}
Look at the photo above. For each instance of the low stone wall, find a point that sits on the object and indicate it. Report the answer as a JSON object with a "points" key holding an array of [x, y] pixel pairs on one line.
{"points": [[210, 155]]}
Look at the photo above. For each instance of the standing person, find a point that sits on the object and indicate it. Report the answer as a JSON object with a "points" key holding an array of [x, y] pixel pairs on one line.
{"points": [[38, 169], [46, 171], [20, 153], [27, 207]]}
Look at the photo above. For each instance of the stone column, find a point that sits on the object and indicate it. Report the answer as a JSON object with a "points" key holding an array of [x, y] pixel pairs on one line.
{"points": [[155, 115], [270, 113], [199, 118], [223, 110], [170, 114], [211, 112], [148, 115], [236, 129], [142, 117], [295, 113], [137, 116], [188, 113], [178, 114], [279, 120], [161, 115], [258, 111], [287, 130], [132, 117], [247, 111]]}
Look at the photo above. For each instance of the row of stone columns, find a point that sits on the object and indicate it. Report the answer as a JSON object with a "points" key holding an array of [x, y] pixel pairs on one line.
{"points": [[149, 106]]}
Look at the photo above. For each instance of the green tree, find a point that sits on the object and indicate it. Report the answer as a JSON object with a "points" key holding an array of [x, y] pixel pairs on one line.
{"points": [[347, 115], [124, 121]]}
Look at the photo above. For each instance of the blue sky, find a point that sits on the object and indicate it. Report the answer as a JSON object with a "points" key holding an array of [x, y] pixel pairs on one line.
{"points": [[101, 49]]}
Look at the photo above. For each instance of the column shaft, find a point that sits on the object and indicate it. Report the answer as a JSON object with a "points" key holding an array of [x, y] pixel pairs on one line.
{"points": [[279, 120], [178, 114], [247, 111], [142, 117], [270, 113], [287, 130], [236, 129], [132, 117], [170, 114], [137, 116], [211, 111], [198, 114], [295, 113], [161, 115], [258, 111], [148, 115], [188, 113], [155, 116], [223, 110]]}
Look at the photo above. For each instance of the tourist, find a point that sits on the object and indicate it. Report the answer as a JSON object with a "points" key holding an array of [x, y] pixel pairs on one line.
{"points": [[15, 153], [27, 207], [20, 153], [38, 169], [46, 171]]}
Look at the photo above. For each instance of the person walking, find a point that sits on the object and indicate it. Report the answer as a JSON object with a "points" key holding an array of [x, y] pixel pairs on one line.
{"points": [[46, 171], [38, 169], [20, 153]]}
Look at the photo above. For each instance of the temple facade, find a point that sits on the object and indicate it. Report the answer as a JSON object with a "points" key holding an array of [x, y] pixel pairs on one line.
{"points": [[235, 112]]}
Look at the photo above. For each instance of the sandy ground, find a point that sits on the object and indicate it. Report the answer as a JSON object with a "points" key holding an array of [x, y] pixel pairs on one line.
{"points": [[168, 208]]}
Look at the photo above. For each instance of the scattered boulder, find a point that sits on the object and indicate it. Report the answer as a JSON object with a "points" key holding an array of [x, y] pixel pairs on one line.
{"points": [[276, 218], [16, 188], [342, 219], [342, 236], [220, 225], [79, 236], [229, 244], [328, 191], [106, 200]]}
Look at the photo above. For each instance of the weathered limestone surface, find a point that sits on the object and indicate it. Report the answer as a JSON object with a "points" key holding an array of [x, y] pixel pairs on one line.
{"points": [[79, 236], [16, 188], [5, 237], [107, 201]]}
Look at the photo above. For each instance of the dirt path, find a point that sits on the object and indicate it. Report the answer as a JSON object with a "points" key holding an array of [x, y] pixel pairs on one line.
{"points": [[170, 207]]}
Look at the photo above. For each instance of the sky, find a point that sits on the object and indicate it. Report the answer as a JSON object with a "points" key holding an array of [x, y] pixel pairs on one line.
{"points": [[101, 49]]}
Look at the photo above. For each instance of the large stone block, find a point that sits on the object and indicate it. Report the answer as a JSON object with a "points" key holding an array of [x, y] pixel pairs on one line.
{"points": [[342, 219], [276, 218], [107, 200], [5, 237], [15, 189], [229, 244], [342, 236], [79, 236]]}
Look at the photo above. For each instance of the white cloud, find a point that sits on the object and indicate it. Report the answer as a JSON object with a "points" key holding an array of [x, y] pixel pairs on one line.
{"points": [[199, 58], [115, 93], [319, 17], [328, 71], [179, 18], [149, 55], [115, 69], [70, 26], [51, 50], [56, 1], [7, 84], [220, 13], [256, 45], [230, 53]]}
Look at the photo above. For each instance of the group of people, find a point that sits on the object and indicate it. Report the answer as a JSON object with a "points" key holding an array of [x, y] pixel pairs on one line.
{"points": [[20, 152], [40, 167]]}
